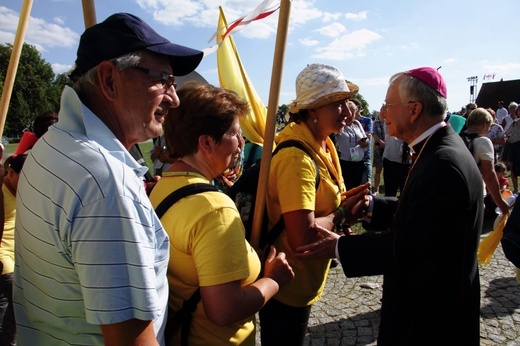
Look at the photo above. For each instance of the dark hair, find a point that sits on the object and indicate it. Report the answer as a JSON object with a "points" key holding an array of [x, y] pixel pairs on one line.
{"points": [[297, 118], [204, 110], [15, 162], [42, 122], [356, 102], [500, 167]]}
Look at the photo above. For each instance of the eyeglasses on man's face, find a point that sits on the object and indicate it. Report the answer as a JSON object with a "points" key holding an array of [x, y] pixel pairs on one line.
{"points": [[167, 80], [385, 105]]}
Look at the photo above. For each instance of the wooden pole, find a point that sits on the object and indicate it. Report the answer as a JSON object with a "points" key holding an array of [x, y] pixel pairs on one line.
{"points": [[89, 13], [13, 62], [270, 127]]}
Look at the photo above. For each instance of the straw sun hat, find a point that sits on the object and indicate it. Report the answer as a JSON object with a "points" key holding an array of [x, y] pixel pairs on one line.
{"points": [[318, 85]]}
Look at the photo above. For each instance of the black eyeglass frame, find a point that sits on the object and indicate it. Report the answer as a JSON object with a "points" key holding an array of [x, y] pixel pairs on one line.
{"points": [[385, 105], [167, 79]]}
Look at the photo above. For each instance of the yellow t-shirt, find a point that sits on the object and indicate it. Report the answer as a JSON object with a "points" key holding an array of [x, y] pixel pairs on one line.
{"points": [[292, 186], [7, 245], [207, 247]]}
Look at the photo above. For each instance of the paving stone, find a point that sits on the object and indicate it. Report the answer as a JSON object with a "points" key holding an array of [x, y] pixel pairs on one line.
{"points": [[349, 311]]}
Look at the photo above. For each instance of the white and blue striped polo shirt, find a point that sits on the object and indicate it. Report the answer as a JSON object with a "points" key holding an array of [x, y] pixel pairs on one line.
{"points": [[90, 249]]}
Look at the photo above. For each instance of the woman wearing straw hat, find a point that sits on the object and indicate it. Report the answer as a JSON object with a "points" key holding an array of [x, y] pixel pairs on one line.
{"points": [[320, 109]]}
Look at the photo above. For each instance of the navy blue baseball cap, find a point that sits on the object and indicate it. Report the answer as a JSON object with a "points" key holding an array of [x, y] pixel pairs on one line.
{"points": [[123, 33]]}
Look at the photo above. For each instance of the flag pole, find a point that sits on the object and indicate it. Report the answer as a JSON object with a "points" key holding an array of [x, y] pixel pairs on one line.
{"points": [[272, 109], [13, 62], [89, 13]]}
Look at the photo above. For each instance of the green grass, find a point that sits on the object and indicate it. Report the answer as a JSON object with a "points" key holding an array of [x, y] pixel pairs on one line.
{"points": [[10, 148], [145, 150]]}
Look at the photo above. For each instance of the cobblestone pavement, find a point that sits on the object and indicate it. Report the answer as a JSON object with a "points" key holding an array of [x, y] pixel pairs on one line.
{"points": [[348, 313]]}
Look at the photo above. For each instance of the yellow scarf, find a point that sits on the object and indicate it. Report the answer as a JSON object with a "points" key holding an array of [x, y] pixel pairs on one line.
{"points": [[327, 162]]}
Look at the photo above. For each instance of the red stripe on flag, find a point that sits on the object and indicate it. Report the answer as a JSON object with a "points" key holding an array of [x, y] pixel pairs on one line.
{"points": [[238, 21]]}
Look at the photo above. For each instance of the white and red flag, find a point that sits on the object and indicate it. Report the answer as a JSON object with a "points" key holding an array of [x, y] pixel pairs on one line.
{"points": [[266, 8]]}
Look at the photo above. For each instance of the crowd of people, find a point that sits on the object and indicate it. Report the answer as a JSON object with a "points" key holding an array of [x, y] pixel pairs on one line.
{"points": [[86, 259]]}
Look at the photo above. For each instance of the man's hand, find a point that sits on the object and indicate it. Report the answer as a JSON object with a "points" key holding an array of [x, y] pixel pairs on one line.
{"points": [[355, 201], [325, 247]]}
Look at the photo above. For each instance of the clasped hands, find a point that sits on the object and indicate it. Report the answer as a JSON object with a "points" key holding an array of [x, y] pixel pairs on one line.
{"points": [[355, 203]]}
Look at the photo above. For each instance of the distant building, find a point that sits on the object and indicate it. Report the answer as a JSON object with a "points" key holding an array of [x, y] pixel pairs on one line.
{"points": [[492, 92]]}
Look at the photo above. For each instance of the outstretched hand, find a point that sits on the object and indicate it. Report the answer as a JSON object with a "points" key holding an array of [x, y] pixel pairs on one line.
{"points": [[277, 267], [355, 201], [324, 247]]}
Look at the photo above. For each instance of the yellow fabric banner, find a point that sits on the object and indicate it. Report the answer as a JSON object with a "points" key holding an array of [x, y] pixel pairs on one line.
{"points": [[488, 245], [233, 76]]}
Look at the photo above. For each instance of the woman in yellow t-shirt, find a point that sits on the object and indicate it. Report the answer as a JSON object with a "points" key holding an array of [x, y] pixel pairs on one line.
{"points": [[208, 248], [319, 110], [13, 166]]}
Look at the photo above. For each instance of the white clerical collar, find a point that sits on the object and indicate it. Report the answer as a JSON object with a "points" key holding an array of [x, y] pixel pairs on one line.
{"points": [[427, 133]]}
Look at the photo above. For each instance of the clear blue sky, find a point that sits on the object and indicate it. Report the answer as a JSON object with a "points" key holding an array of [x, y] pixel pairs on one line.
{"points": [[367, 40]]}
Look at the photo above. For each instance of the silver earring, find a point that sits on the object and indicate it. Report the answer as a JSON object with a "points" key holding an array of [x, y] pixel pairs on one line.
{"points": [[315, 120]]}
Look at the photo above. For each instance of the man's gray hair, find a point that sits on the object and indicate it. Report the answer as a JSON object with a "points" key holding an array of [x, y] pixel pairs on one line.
{"points": [[88, 80], [413, 89]]}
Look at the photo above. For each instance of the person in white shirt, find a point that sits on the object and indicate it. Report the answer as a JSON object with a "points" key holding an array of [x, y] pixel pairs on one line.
{"points": [[501, 112], [479, 122], [508, 119]]}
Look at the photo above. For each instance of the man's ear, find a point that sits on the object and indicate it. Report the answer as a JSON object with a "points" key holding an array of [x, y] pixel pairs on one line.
{"points": [[415, 109], [107, 77]]}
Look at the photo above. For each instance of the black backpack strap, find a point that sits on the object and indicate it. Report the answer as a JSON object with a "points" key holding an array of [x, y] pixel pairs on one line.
{"points": [[184, 315], [468, 139], [184, 191], [280, 225], [299, 145]]}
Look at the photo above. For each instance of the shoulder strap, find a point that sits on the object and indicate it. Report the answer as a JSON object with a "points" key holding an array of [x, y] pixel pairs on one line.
{"points": [[280, 225], [468, 139], [184, 315], [184, 191], [299, 145]]}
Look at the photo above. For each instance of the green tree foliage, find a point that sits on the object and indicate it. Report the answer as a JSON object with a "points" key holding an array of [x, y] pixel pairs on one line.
{"points": [[283, 109], [364, 104], [280, 114], [36, 88], [57, 88]]}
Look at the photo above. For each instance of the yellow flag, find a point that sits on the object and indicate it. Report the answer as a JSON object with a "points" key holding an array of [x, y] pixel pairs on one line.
{"points": [[233, 76]]}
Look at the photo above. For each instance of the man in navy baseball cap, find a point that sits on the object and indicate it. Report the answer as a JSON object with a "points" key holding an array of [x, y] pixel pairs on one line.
{"points": [[91, 253], [123, 33]]}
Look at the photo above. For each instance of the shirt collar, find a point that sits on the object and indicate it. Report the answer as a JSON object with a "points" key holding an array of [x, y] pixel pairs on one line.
{"points": [[427, 133], [79, 118]]}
